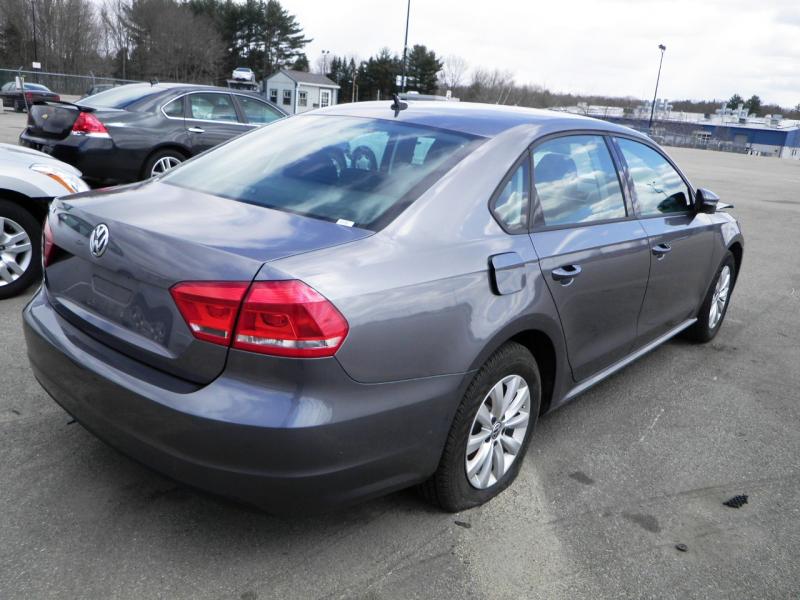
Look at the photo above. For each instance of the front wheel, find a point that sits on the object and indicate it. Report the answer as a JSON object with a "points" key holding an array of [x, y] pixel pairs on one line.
{"points": [[20, 249], [490, 432], [715, 305]]}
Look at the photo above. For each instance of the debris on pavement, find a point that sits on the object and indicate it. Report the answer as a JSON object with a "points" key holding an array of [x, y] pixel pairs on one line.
{"points": [[736, 501]]}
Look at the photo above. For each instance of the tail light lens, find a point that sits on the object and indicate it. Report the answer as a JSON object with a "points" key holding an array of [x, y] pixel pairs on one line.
{"points": [[48, 246], [282, 318], [88, 124], [210, 308], [289, 318]]}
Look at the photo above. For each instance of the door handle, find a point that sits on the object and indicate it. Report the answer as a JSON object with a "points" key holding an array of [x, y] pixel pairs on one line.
{"points": [[196, 130], [566, 274], [660, 250]]}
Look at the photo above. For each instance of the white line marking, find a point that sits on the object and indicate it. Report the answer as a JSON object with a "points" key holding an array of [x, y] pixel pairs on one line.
{"points": [[653, 424]]}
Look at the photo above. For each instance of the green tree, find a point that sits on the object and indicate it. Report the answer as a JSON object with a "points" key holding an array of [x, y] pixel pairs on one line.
{"points": [[423, 69], [301, 63], [378, 74], [735, 101], [282, 37], [753, 105]]}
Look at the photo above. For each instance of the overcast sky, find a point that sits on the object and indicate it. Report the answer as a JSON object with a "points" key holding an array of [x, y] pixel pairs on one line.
{"points": [[715, 48]]}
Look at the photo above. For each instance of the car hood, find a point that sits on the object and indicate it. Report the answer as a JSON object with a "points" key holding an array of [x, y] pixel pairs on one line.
{"points": [[20, 156]]}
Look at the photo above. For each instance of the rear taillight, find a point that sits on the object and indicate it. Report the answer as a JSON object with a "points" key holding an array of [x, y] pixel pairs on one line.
{"points": [[210, 308], [48, 246], [29, 97], [283, 318], [88, 124], [288, 318]]}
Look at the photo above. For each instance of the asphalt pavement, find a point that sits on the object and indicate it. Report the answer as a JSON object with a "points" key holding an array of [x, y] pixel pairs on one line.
{"points": [[612, 483]]}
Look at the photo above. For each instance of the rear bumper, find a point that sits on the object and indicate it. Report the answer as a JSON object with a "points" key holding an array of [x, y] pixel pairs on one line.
{"points": [[96, 158], [286, 435]]}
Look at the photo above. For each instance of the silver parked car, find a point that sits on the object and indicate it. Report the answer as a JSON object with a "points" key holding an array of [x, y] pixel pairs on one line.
{"points": [[28, 181], [372, 296]]}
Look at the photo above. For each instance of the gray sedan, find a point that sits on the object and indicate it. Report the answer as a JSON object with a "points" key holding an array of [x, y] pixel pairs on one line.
{"points": [[372, 296]]}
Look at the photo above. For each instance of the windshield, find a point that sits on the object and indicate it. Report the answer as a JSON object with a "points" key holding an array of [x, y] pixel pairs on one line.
{"points": [[120, 97], [350, 170]]}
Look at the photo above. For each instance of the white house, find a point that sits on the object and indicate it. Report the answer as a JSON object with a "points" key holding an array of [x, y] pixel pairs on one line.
{"points": [[298, 91]]}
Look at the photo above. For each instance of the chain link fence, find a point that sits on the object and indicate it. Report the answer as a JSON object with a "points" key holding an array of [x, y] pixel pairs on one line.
{"points": [[64, 84]]}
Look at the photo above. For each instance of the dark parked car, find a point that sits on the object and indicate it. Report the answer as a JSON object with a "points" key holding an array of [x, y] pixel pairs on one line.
{"points": [[281, 323], [34, 92], [135, 131]]}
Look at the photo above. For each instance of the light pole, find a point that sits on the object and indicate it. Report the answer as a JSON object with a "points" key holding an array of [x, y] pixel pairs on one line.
{"points": [[405, 49], [661, 47], [325, 61]]}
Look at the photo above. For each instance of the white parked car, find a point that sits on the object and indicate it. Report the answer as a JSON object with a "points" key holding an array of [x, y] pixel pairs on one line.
{"points": [[244, 74], [28, 181]]}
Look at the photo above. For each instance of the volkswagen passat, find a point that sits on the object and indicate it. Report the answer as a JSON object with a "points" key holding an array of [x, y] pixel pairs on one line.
{"points": [[372, 296]]}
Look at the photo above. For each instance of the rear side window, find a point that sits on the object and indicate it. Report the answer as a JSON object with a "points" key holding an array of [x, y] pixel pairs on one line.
{"points": [[212, 107], [659, 188], [350, 170], [576, 181], [256, 111], [511, 206]]}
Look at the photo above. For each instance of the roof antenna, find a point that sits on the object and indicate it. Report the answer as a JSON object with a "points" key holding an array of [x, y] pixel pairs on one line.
{"points": [[397, 105]]}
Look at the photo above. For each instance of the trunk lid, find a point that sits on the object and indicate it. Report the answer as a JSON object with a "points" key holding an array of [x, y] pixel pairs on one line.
{"points": [[54, 120], [159, 235]]}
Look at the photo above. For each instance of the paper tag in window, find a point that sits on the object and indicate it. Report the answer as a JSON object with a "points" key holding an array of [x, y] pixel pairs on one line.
{"points": [[345, 222]]}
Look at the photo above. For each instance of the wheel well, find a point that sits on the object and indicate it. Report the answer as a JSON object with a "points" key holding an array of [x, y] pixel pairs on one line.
{"points": [[36, 207], [539, 344], [736, 250]]}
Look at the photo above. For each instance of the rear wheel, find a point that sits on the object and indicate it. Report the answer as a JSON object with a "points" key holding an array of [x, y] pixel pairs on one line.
{"points": [[19, 106], [490, 433], [161, 162], [20, 249], [715, 305]]}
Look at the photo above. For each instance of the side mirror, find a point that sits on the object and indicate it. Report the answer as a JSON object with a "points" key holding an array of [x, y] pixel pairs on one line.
{"points": [[705, 201]]}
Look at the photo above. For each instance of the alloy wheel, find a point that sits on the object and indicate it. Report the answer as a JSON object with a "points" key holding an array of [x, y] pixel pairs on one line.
{"points": [[164, 164], [720, 297], [16, 251], [498, 431]]}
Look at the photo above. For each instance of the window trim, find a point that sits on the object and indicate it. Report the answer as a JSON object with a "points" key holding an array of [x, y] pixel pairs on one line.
{"points": [[537, 222], [270, 95], [525, 156], [691, 210], [302, 98], [286, 97]]}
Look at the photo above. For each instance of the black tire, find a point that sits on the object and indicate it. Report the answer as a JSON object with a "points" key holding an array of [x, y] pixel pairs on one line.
{"points": [[29, 223], [147, 169], [449, 487], [19, 106], [702, 331]]}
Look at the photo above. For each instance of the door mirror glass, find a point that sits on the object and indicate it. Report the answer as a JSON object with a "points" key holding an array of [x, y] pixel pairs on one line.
{"points": [[706, 201]]}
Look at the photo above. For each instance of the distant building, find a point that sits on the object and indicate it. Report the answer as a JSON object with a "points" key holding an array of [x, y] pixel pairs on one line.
{"points": [[732, 130], [297, 91]]}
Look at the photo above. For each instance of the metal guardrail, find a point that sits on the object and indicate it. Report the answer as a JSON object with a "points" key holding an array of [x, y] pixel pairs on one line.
{"points": [[62, 83]]}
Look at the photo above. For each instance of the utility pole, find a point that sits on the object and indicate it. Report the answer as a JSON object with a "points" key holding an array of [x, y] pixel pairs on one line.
{"points": [[661, 47], [35, 49], [325, 61], [405, 49]]}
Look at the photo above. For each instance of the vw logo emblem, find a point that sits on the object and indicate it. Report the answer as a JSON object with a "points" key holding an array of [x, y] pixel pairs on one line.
{"points": [[98, 240]]}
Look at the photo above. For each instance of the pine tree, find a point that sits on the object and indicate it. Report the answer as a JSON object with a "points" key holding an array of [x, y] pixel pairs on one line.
{"points": [[423, 69]]}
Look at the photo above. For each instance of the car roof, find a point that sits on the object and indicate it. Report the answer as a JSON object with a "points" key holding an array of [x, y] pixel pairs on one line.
{"points": [[486, 120]]}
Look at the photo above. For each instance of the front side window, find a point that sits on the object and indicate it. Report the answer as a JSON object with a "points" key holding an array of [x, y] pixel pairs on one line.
{"points": [[328, 167], [257, 111], [510, 207], [287, 97], [212, 107], [576, 181], [174, 109], [658, 186], [273, 95]]}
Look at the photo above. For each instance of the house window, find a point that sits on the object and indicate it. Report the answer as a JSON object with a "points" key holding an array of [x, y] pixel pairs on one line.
{"points": [[273, 96], [302, 98], [324, 98], [287, 97]]}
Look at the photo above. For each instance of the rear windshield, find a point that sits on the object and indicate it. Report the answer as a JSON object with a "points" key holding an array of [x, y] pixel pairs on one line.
{"points": [[120, 97], [350, 170], [36, 87]]}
